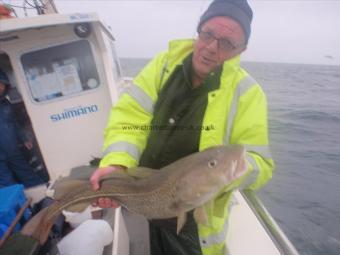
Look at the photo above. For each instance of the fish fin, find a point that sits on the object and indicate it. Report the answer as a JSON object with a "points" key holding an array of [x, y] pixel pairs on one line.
{"points": [[82, 172], [78, 207], [131, 173], [181, 219], [141, 172], [65, 186], [200, 216], [119, 174]]}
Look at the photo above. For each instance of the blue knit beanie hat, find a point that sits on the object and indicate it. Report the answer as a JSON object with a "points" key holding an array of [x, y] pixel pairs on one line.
{"points": [[239, 10]]}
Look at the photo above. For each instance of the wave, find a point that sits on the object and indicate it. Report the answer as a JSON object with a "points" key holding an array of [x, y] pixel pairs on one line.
{"points": [[313, 115]]}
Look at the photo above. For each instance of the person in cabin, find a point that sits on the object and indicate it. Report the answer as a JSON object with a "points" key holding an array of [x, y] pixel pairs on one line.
{"points": [[193, 96], [14, 168]]}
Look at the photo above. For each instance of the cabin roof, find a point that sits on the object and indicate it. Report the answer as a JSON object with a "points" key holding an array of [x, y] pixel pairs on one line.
{"points": [[17, 24]]}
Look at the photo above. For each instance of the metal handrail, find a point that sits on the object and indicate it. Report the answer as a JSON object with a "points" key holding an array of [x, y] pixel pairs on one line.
{"points": [[274, 231]]}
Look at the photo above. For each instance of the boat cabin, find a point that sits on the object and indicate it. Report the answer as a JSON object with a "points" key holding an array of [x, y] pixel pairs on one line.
{"points": [[65, 73]]}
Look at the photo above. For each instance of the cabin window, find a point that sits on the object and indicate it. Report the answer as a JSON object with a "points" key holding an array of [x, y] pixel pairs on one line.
{"points": [[60, 71]]}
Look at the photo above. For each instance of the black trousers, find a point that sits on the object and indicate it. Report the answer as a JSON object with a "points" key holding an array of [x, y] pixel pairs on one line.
{"points": [[165, 241]]}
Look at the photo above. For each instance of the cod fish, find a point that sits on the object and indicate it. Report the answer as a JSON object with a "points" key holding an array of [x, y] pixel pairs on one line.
{"points": [[188, 183]]}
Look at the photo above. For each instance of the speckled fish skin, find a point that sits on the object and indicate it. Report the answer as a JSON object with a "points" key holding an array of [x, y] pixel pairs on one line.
{"points": [[168, 192]]}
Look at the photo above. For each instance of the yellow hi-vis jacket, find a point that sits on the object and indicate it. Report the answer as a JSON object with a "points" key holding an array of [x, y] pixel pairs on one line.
{"points": [[238, 111]]}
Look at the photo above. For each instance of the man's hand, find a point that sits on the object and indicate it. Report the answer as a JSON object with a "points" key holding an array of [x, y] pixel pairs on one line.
{"points": [[95, 178], [28, 145]]}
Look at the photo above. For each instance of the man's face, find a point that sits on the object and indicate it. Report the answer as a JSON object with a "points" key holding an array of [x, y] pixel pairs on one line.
{"points": [[2, 88], [211, 47]]}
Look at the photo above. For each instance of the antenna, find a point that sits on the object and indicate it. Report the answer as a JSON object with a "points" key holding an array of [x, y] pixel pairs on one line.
{"points": [[38, 7], [49, 6]]}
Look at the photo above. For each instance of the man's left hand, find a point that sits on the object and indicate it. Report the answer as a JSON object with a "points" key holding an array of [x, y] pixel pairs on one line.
{"points": [[29, 145]]}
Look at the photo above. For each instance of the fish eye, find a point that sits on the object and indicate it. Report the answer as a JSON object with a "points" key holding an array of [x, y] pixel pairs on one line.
{"points": [[212, 163]]}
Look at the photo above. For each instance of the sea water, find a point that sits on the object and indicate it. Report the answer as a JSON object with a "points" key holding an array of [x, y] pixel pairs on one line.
{"points": [[304, 128]]}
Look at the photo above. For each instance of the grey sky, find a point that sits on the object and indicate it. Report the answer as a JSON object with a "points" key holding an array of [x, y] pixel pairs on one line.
{"points": [[282, 31]]}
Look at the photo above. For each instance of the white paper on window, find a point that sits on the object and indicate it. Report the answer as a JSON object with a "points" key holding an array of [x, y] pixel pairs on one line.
{"points": [[69, 79], [43, 86]]}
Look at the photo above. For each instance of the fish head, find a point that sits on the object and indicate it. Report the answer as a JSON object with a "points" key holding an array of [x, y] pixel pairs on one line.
{"points": [[210, 171]]}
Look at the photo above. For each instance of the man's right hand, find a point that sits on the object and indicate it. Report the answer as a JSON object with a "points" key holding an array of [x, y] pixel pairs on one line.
{"points": [[95, 179]]}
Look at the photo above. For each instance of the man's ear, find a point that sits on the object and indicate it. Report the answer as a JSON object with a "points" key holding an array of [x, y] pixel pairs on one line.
{"points": [[242, 49]]}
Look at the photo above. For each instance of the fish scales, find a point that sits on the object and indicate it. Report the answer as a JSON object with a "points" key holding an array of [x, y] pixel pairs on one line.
{"points": [[184, 185], [144, 196]]}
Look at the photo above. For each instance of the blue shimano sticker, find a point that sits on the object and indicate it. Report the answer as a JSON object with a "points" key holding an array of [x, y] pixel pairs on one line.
{"points": [[75, 112]]}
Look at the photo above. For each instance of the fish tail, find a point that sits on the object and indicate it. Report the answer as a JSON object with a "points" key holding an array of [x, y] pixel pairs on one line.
{"points": [[39, 226], [44, 230]]}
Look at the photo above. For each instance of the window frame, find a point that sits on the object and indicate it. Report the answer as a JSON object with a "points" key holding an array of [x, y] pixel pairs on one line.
{"points": [[52, 45]]}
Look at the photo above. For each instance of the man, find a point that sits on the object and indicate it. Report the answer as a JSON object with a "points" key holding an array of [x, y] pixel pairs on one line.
{"points": [[13, 166], [193, 96]]}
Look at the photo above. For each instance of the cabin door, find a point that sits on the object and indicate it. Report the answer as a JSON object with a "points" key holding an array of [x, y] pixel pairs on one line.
{"points": [[27, 154]]}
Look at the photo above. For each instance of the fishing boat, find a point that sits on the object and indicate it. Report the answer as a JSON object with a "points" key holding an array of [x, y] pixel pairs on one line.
{"points": [[66, 75]]}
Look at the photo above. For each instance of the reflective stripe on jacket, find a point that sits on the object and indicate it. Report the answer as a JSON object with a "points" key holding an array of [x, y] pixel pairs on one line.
{"points": [[237, 113]]}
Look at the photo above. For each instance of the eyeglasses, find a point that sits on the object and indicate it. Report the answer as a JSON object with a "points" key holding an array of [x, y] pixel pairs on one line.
{"points": [[223, 43]]}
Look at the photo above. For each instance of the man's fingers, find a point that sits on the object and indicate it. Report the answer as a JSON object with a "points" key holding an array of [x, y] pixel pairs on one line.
{"points": [[94, 180], [101, 202], [114, 204], [106, 203], [29, 145]]}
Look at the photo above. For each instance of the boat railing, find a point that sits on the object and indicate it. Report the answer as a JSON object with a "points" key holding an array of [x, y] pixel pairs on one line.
{"points": [[274, 231]]}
